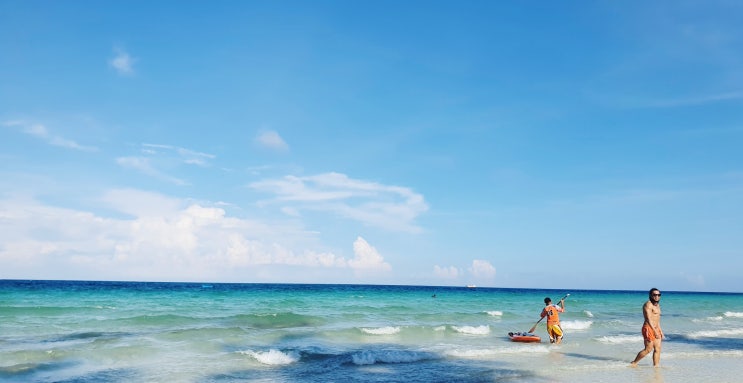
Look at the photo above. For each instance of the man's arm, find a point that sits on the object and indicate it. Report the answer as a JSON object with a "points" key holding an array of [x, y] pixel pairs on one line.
{"points": [[646, 312]]}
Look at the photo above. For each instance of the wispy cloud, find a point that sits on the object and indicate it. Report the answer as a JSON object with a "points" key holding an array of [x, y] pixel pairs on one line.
{"points": [[122, 62], [144, 165], [156, 160], [41, 132], [186, 156], [692, 101], [271, 140], [389, 207]]}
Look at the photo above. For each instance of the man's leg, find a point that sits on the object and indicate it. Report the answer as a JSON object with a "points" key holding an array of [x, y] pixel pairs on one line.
{"points": [[656, 352], [645, 351]]}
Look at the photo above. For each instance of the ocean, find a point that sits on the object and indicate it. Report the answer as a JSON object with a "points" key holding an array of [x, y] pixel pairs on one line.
{"points": [[81, 331]]}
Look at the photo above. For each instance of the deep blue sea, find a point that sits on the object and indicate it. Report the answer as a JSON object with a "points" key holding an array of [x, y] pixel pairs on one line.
{"points": [[81, 331]]}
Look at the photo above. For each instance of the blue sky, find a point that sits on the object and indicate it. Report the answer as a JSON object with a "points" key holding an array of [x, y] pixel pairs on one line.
{"points": [[511, 144]]}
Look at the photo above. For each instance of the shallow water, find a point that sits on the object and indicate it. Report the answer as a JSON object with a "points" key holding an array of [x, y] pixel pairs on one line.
{"points": [[172, 332]]}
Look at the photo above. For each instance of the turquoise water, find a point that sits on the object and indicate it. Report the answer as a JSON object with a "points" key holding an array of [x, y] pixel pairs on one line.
{"points": [[174, 332]]}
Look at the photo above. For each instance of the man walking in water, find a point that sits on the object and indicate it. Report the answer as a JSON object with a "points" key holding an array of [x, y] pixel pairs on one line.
{"points": [[553, 319], [651, 332]]}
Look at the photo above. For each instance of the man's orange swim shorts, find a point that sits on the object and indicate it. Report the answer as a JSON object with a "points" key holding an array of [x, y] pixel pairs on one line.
{"points": [[648, 334]]}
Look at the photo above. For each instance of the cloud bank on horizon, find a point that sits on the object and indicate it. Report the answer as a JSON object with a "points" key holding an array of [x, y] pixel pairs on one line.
{"points": [[157, 237], [592, 146]]}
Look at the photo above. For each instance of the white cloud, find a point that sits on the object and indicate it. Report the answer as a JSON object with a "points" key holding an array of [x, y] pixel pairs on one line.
{"points": [[450, 272], [290, 211], [389, 207], [138, 203], [366, 257], [696, 280], [162, 238], [272, 140], [41, 132], [482, 269], [122, 62]]}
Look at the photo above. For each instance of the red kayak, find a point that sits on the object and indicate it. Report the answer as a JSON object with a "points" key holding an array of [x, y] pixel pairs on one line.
{"points": [[524, 337]]}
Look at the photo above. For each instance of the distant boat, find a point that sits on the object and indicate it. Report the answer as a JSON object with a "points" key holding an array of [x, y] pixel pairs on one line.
{"points": [[471, 286]]}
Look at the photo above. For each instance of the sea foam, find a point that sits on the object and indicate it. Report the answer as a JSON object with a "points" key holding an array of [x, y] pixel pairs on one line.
{"points": [[576, 324], [273, 357], [472, 330], [477, 353], [389, 330], [620, 339], [716, 333]]}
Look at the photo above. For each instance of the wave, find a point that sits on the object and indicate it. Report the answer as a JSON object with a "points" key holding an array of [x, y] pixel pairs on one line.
{"points": [[203, 332], [159, 320], [89, 335], [368, 357], [576, 324], [44, 310], [490, 352], [588, 313], [620, 339], [716, 333], [426, 330], [26, 371], [272, 357], [713, 319], [472, 330], [276, 320], [703, 354], [457, 316], [388, 330], [276, 357], [723, 316], [256, 321]]}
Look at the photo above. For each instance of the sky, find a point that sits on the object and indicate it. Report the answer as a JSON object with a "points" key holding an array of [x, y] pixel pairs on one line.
{"points": [[566, 145]]}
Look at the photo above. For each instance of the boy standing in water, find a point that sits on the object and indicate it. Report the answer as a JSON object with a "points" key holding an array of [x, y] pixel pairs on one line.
{"points": [[553, 319], [651, 332]]}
